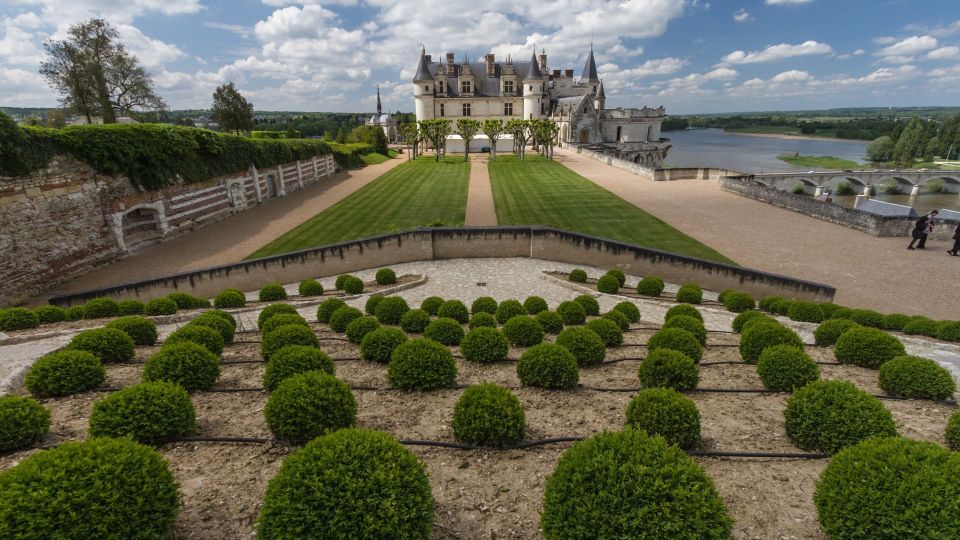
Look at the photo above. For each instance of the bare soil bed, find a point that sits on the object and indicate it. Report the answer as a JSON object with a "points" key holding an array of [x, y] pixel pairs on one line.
{"points": [[494, 493]]}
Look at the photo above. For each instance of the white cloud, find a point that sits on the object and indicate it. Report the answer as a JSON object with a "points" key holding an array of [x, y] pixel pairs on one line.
{"points": [[945, 53], [792, 76], [741, 16], [65, 12], [777, 52], [20, 38], [152, 53], [909, 46]]}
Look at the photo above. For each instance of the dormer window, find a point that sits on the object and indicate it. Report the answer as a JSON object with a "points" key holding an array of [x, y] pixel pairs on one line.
{"points": [[440, 86], [508, 87], [466, 87]]}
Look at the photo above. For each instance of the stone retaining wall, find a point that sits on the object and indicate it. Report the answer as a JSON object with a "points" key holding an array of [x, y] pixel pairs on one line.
{"points": [[658, 175], [462, 242]]}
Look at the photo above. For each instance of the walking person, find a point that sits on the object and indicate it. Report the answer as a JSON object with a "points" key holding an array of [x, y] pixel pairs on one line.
{"points": [[922, 229], [956, 243]]}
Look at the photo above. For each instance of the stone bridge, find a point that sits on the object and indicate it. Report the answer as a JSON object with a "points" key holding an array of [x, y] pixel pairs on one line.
{"points": [[819, 181]]}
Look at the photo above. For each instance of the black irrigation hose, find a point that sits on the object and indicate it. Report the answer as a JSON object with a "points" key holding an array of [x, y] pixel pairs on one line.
{"points": [[347, 358], [233, 390], [739, 362], [249, 440], [233, 362], [332, 339], [774, 455], [462, 446]]}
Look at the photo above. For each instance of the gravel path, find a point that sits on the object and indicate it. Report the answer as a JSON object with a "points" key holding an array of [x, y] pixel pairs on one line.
{"points": [[480, 207], [868, 272]]}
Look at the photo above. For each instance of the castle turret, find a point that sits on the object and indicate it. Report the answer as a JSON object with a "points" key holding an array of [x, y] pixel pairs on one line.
{"points": [[600, 99], [532, 89], [379, 107], [589, 75], [423, 88]]}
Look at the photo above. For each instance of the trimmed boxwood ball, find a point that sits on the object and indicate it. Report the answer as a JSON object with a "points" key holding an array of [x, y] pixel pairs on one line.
{"points": [[949, 331], [619, 274], [294, 360], [608, 284], [689, 324], [160, 306], [342, 317], [484, 304], [391, 309], [283, 319], [63, 373], [676, 339], [895, 321], [668, 494], [629, 309], [509, 309], [327, 307], [277, 309], [341, 279], [766, 303], [308, 405], [722, 295], [577, 276], [867, 317], [890, 487], [953, 432], [188, 301], [484, 345], [221, 325], [74, 313], [130, 307], [781, 307], [291, 334], [805, 312], [385, 276], [99, 308], [683, 309], [107, 344], [785, 368], [229, 298], [830, 330], [828, 415], [571, 313], [608, 331], [48, 314], [867, 347], [741, 319], [921, 326], [650, 286], [550, 366], [353, 285], [589, 303], [534, 305], [523, 331], [828, 309], [763, 334], [370, 307], [585, 345], [690, 293], [140, 329], [99, 488], [208, 337], [667, 368], [421, 364], [550, 321], [738, 302], [488, 415], [18, 318], [667, 413], [223, 315], [23, 422], [188, 364], [378, 346], [310, 287], [361, 484], [149, 413], [454, 309], [360, 327], [482, 319], [431, 305], [617, 318], [272, 292], [915, 377], [444, 330], [841, 313]]}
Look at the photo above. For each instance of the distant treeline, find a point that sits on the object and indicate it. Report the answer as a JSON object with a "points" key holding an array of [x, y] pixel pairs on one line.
{"points": [[846, 128], [920, 139]]}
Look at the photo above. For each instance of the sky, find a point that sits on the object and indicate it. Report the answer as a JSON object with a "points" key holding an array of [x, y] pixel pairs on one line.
{"points": [[691, 56]]}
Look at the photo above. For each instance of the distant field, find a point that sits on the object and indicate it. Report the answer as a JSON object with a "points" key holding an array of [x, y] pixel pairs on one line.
{"points": [[413, 194], [819, 162], [541, 192]]}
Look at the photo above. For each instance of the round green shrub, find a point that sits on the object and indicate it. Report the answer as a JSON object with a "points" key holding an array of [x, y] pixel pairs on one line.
{"points": [[741, 319], [577, 276], [571, 313], [895, 321], [867, 347], [421, 364], [360, 327], [107, 344], [149, 413], [488, 415], [805, 312], [484, 345], [629, 309], [385, 276], [188, 301], [188, 364], [619, 274], [921, 326], [890, 487], [782, 307], [294, 360], [484, 304], [431, 305], [454, 309], [310, 287], [550, 366], [534, 305], [738, 302], [291, 334], [327, 307], [74, 313], [667, 368], [830, 330], [585, 345], [509, 309], [690, 293], [391, 309], [308, 405], [723, 295], [217, 323], [275, 309], [618, 318], [683, 309], [867, 317], [668, 495], [828, 309], [140, 329], [64, 373], [372, 302], [283, 319], [589, 303], [99, 308], [763, 334], [130, 307], [482, 320], [915, 377], [676, 339], [378, 346], [99, 488], [650, 286], [229, 298], [341, 279], [841, 313], [362, 484], [949, 331], [952, 432], [444, 330], [766, 303], [18, 318], [272, 292], [608, 331], [23, 422], [208, 337], [667, 413], [353, 285], [689, 324], [608, 284], [342, 317], [160, 306], [785, 368], [828, 415], [523, 331], [223, 315], [48, 314]]}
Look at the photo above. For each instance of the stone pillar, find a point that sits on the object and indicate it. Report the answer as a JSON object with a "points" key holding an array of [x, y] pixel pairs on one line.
{"points": [[866, 191], [116, 224], [282, 187], [256, 182], [316, 175], [914, 191], [818, 192], [331, 164], [299, 175]]}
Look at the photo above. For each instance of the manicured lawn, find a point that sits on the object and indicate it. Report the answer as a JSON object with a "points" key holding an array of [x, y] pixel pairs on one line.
{"points": [[374, 158], [414, 194], [541, 192], [819, 162]]}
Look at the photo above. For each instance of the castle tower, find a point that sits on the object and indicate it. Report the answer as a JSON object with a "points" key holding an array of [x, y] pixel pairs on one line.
{"points": [[589, 75], [423, 88], [379, 108], [532, 89], [600, 99]]}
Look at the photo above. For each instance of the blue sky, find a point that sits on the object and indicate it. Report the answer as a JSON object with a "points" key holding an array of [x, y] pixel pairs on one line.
{"points": [[689, 55]]}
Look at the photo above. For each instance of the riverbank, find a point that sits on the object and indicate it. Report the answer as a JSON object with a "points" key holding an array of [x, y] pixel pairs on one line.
{"points": [[818, 162], [795, 137]]}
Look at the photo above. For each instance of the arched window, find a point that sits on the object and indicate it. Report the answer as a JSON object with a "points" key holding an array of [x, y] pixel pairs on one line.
{"points": [[619, 130]]}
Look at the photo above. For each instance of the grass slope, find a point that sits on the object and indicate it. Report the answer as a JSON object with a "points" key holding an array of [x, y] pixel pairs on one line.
{"points": [[541, 192], [413, 194], [819, 162], [374, 158]]}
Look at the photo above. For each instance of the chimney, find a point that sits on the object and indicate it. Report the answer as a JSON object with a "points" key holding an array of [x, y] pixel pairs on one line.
{"points": [[491, 66], [568, 73], [556, 74], [450, 63], [543, 62], [429, 58]]}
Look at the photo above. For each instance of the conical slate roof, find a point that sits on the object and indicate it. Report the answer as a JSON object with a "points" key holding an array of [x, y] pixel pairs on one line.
{"points": [[423, 73], [534, 72], [590, 69], [600, 93]]}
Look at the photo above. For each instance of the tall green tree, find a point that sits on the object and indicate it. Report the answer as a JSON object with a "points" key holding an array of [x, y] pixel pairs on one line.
{"points": [[231, 110], [468, 129], [910, 143], [410, 132], [493, 129], [880, 149], [436, 131], [520, 130]]}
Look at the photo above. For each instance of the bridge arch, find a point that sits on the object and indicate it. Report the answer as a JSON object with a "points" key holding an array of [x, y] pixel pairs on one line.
{"points": [[951, 184]]}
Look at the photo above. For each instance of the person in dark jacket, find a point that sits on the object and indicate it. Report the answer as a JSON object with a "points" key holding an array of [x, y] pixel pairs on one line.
{"points": [[923, 227], [956, 243]]}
